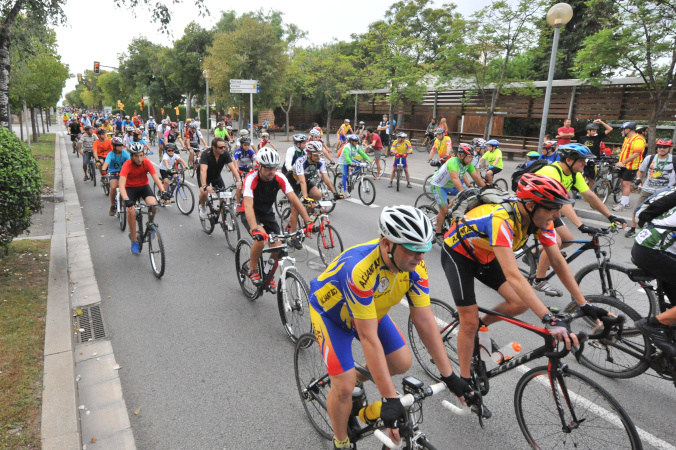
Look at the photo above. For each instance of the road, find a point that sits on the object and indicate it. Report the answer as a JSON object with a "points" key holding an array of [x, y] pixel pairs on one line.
{"points": [[210, 369]]}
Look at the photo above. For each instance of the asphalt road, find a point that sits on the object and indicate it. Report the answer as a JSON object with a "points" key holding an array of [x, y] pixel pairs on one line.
{"points": [[210, 369]]}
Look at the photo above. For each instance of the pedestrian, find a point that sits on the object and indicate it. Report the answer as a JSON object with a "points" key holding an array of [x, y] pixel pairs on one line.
{"points": [[593, 140], [631, 157], [442, 124], [566, 133], [384, 132]]}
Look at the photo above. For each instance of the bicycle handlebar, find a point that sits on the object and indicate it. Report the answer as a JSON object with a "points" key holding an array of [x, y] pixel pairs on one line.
{"points": [[286, 236]]}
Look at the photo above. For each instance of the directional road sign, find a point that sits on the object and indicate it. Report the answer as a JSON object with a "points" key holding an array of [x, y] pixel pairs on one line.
{"points": [[243, 81], [244, 91]]}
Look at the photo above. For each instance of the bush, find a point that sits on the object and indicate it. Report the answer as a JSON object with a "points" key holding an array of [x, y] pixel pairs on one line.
{"points": [[20, 187]]}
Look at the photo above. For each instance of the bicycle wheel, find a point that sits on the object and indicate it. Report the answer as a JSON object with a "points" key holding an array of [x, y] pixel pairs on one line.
{"points": [[327, 195], [281, 202], [242, 264], [425, 200], [602, 190], [230, 228], [367, 191], [156, 250], [338, 184], [501, 183], [208, 224], [430, 212], [447, 321], [192, 169], [293, 303], [329, 244], [618, 285], [185, 199], [592, 417], [121, 212], [526, 261], [92, 172], [106, 187], [313, 383], [426, 184], [617, 189], [612, 357]]}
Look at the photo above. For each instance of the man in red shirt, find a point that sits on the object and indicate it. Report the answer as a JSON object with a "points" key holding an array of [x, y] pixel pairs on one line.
{"points": [[566, 133], [373, 142], [134, 185]]}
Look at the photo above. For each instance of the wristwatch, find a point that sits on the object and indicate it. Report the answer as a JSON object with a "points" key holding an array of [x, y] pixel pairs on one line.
{"points": [[547, 318]]}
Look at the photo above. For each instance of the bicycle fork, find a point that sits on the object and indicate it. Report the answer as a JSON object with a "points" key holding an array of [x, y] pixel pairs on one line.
{"points": [[556, 379]]}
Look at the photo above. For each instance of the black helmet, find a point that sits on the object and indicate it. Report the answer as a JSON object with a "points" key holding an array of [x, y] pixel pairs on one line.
{"points": [[170, 146], [592, 126], [628, 126], [245, 140]]}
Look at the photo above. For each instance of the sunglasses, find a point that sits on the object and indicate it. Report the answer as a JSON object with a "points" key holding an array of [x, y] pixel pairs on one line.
{"points": [[221, 147], [663, 146]]}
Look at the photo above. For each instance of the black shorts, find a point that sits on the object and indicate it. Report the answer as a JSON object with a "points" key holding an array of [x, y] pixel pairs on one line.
{"points": [[73, 137], [660, 264], [495, 170], [165, 174], [267, 221], [461, 272], [590, 170], [217, 183], [139, 192], [627, 174]]}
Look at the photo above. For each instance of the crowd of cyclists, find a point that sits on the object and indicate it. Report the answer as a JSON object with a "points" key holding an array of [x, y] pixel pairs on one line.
{"points": [[352, 297]]}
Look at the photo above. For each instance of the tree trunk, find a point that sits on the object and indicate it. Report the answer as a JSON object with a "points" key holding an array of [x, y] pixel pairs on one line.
{"points": [[490, 113], [42, 121], [21, 123], [188, 105], [5, 117], [286, 111], [48, 119], [34, 126], [328, 127]]}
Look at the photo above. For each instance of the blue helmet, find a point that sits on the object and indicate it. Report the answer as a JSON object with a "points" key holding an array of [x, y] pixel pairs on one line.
{"points": [[575, 151], [628, 125], [353, 137], [493, 142]]}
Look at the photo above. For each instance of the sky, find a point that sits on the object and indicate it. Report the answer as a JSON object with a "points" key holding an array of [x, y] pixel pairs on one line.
{"points": [[103, 33]]}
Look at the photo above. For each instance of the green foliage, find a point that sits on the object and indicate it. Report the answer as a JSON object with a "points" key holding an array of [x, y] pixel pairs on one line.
{"points": [[183, 62], [20, 187]]}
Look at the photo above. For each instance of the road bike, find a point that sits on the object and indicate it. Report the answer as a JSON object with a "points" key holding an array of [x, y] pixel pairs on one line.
{"points": [[151, 236], [105, 183], [152, 136], [292, 290], [91, 170], [314, 383], [499, 182], [554, 405], [223, 214], [120, 210], [179, 191], [399, 170], [358, 179], [607, 179]]}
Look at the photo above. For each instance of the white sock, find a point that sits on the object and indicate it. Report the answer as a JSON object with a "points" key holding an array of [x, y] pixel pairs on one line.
{"points": [[625, 200]]}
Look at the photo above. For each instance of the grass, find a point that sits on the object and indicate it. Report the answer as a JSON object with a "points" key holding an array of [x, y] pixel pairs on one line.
{"points": [[43, 151], [24, 273]]}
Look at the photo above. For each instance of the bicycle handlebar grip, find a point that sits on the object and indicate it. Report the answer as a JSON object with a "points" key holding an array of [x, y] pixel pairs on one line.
{"points": [[457, 410], [385, 439]]}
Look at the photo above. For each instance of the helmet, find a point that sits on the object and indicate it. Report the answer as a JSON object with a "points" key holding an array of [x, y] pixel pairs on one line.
{"points": [[641, 128], [493, 142], [628, 126], [193, 124], [268, 157], [533, 154], [438, 131], [141, 127], [188, 120], [361, 122], [549, 144], [465, 149], [593, 126], [265, 134], [165, 122], [88, 127], [298, 138], [129, 128], [407, 226], [244, 140], [243, 132], [173, 125], [665, 142], [135, 147], [314, 147], [228, 128], [126, 117], [315, 132], [170, 146], [575, 151], [352, 137], [543, 190], [481, 143], [118, 141], [402, 135], [347, 120], [150, 118], [220, 124], [100, 131]]}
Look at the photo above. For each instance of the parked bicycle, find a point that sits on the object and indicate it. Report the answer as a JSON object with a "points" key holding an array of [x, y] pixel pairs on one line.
{"points": [[150, 235], [178, 190], [357, 178], [607, 180], [223, 214], [292, 290]]}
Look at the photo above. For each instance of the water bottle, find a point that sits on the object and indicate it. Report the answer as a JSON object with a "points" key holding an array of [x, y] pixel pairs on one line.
{"points": [[358, 400], [506, 353], [370, 413], [485, 347]]}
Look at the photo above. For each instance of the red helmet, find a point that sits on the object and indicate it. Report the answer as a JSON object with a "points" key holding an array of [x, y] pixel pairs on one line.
{"points": [[665, 142], [173, 125], [549, 144], [100, 130], [543, 190], [465, 149]]}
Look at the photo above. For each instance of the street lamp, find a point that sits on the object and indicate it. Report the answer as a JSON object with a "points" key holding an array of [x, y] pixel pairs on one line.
{"points": [[557, 16], [206, 77]]}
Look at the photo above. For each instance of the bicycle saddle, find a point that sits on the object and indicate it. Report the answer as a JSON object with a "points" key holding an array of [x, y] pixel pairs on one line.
{"points": [[637, 274]]}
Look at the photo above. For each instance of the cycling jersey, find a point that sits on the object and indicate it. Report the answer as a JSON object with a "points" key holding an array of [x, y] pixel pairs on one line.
{"points": [[442, 177], [344, 130], [244, 159], [310, 170], [137, 175], [401, 148], [494, 158], [115, 161], [151, 124], [194, 138], [292, 155], [350, 152], [264, 193], [635, 144], [442, 146], [214, 166], [103, 148], [222, 133], [491, 225], [555, 171], [657, 238], [551, 158]]}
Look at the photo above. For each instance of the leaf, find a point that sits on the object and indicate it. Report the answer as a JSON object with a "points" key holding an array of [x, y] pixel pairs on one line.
{"points": [[78, 312], [93, 439], [138, 411]]}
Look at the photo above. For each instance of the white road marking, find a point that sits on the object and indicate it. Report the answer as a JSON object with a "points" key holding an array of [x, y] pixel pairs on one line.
{"points": [[358, 202]]}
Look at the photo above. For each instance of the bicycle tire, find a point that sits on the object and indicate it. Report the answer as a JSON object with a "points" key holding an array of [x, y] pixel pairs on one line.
{"points": [[242, 260], [426, 184], [501, 183], [398, 178], [192, 170], [617, 190], [527, 263], [612, 357], [448, 323], [156, 250], [424, 444], [139, 231], [623, 288], [293, 303], [425, 199], [541, 424], [121, 212], [338, 183], [367, 191], [281, 202], [92, 172], [230, 228], [313, 383], [185, 199], [106, 188], [327, 195], [430, 212], [329, 244], [602, 190]]}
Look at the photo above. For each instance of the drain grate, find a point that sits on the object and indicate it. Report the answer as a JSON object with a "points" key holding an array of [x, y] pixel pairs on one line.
{"points": [[90, 324]]}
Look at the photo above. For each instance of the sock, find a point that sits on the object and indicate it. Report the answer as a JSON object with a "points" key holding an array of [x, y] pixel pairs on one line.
{"points": [[537, 279], [625, 201], [341, 444]]}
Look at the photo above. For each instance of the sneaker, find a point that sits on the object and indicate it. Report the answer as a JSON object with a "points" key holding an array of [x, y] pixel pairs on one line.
{"points": [[621, 207], [409, 185], [135, 248], [203, 212], [389, 185], [439, 238], [112, 211], [255, 277], [631, 232], [659, 334], [547, 289], [295, 243]]}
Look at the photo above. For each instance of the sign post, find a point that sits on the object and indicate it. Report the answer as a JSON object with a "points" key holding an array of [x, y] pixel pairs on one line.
{"points": [[250, 87]]}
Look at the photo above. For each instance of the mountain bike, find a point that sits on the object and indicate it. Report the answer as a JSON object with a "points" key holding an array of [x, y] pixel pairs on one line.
{"points": [[552, 402], [105, 183], [179, 191], [195, 168], [313, 384], [120, 210], [223, 214], [292, 290], [150, 235], [499, 182], [358, 179], [91, 170], [426, 144], [607, 179], [152, 136]]}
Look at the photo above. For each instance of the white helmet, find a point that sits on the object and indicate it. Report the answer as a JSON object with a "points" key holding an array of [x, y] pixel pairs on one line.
{"points": [[243, 132], [314, 147], [268, 157], [407, 226], [135, 147], [315, 132]]}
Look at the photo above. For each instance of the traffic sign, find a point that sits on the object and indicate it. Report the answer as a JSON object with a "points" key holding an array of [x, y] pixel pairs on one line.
{"points": [[243, 86], [238, 90], [243, 81]]}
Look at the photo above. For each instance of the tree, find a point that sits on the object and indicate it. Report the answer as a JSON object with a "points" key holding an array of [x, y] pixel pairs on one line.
{"points": [[643, 43]]}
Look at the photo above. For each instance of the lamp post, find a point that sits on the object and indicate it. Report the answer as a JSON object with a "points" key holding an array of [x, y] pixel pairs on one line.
{"points": [[557, 16], [206, 77]]}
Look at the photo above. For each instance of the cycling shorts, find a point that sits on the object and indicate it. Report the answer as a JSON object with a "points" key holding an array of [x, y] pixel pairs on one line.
{"points": [[165, 174], [267, 221], [627, 174], [342, 138], [160, 141], [402, 159], [336, 343], [139, 192], [495, 170], [441, 194], [73, 137], [217, 183], [659, 264], [590, 170], [113, 176], [461, 272]]}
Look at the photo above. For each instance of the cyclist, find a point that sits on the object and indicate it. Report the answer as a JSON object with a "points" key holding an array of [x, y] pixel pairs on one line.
{"points": [[493, 158], [113, 164], [74, 130], [265, 141], [659, 172], [442, 145], [352, 299], [373, 142], [431, 128], [151, 125], [631, 156], [107, 126], [119, 128], [654, 250], [346, 158], [260, 192], [479, 145], [221, 132], [137, 136], [134, 185], [293, 153], [361, 129], [231, 136], [316, 135], [242, 133], [549, 151], [101, 147], [531, 157], [129, 137], [211, 165], [449, 181], [245, 158], [85, 147], [343, 131], [593, 141], [171, 136], [568, 172], [401, 149], [194, 137], [168, 164]]}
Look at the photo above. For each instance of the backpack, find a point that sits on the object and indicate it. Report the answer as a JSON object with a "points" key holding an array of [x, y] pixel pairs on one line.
{"points": [[518, 173], [656, 205]]}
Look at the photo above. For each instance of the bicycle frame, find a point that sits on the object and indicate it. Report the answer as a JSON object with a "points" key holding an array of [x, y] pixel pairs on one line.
{"points": [[280, 256]]}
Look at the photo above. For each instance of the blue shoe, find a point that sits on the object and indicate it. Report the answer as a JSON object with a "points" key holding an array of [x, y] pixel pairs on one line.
{"points": [[151, 153], [135, 248]]}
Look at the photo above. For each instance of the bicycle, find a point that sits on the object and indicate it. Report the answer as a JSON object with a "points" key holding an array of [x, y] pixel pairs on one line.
{"points": [[151, 235], [499, 182], [365, 187], [195, 168], [552, 402], [91, 170], [607, 179], [224, 215], [372, 167], [120, 210], [74, 143], [105, 183], [313, 384], [292, 290], [152, 136], [181, 192], [436, 163], [399, 170], [426, 144]]}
